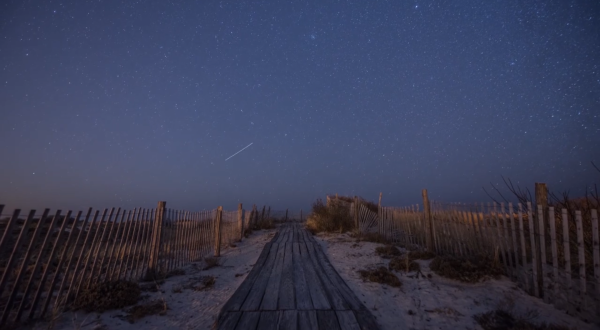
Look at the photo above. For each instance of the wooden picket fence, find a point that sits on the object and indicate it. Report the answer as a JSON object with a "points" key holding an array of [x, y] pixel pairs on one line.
{"points": [[47, 260], [552, 254]]}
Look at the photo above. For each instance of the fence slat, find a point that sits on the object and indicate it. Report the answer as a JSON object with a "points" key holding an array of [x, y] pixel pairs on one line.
{"points": [[133, 258], [543, 263], [8, 231], [523, 246], [514, 236], [507, 241], [12, 259], [581, 250], [567, 250], [596, 245], [552, 222], [536, 288]]}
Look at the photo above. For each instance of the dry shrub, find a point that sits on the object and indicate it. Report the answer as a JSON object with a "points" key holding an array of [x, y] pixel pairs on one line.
{"points": [[404, 265], [423, 255], [387, 251], [380, 275], [335, 218], [264, 224], [158, 307], [466, 269], [108, 295], [210, 262], [205, 283], [504, 320]]}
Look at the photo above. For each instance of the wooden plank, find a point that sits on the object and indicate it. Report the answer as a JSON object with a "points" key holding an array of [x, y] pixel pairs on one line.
{"points": [[337, 280], [567, 253], [366, 320], [145, 245], [327, 320], [307, 320], [218, 227], [347, 320], [93, 244], [581, 250], [303, 300], [318, 297], [522, 236], [534, 263], [254, 298], [288, 320], [555, 281], [135, 255], [336, 299], [269, 301], [268, 320], [229, 320], [24, 264], [287, 297], [237, 299], [249, 320], [596, 247]]}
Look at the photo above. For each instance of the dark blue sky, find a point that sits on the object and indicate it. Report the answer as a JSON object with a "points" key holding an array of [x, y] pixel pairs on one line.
{"points": [[116, 103]]}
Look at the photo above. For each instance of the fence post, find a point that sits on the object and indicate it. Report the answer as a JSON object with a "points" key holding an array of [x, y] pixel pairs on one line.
{"points": [[241, 221], [428, 221], [300, 215], [356, 210], [541, 198], [218, 231], [262, 216], [155, 242], [286, 214]]}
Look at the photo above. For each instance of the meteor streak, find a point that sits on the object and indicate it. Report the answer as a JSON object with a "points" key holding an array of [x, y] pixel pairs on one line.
{"points": [[239, 151]]}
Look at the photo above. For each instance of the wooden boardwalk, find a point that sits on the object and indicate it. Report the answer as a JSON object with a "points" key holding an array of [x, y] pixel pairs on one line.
{"points": [[294, 286]]}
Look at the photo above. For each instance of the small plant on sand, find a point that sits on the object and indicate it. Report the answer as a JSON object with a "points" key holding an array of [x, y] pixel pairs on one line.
{"points": [[380, 275], [210, 262], [157, 307], [500, 319], [108, 295], [372, 237], [466, 269], [387, 251], [404, 264]]}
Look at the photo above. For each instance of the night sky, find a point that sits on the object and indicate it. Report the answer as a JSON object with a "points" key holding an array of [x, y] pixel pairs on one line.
{"points": [[123, 104]]}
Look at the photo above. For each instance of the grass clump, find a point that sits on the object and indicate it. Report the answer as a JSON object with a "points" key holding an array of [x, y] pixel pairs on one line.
{"points": [[333, 218], [176, 272], [423, 255], [404, 265], [380, 275], [387, 251], [108, 295], [466, 269], [158, 307], [210, 262], [504, 320]]}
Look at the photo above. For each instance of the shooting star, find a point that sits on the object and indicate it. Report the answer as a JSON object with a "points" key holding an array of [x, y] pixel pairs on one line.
{"points": [[239, 151]]}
